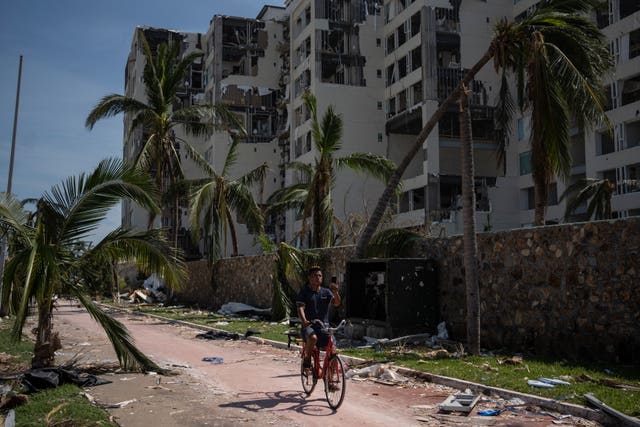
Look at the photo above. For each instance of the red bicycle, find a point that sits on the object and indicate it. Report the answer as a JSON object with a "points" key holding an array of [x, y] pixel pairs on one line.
{"points": [[331, 371]]}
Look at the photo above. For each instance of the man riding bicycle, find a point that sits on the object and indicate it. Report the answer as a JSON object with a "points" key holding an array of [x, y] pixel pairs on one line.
{"points": [[313, 303]]}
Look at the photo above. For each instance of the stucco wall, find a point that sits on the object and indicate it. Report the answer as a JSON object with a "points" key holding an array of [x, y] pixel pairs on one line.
{"points": [[567, 290]]}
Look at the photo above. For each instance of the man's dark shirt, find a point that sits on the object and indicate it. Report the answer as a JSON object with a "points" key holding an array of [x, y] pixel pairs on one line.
{"points": [[316, 303]]}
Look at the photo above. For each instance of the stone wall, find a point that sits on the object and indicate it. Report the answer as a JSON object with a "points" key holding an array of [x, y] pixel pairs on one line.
{"points": [[568, 290]]}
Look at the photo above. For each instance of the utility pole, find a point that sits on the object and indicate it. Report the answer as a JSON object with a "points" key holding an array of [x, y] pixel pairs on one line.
{"points": [[4, 305]]}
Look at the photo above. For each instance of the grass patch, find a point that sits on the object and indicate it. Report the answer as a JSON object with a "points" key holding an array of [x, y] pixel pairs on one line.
{"points": [[598, 379], [584, 377], [23, 350], [240, 325], [63, 406]]}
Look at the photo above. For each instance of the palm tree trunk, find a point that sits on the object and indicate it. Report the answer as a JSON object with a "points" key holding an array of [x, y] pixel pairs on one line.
{"points": [[114, 284], [232, 231], [43, 353], [385, 198], [469, 226]]}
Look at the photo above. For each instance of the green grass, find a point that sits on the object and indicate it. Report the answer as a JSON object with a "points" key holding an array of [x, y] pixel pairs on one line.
{"points": [[584, 377], [75, 410], [268, 330], [23, 349], [62, 405]]}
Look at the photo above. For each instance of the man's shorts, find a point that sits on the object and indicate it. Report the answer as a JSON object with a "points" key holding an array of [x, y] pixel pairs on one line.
{"points": [[320, 331]]}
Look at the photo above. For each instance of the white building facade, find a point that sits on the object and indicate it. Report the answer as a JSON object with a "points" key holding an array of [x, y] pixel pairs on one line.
{"points": [[385, 65]]}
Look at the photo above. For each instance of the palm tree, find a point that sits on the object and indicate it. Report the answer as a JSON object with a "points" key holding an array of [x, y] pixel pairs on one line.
{"points": [[45, 258], [558, 57], [313, 195], [469, 228], [596, 193], [158, 116], [218, 196]]}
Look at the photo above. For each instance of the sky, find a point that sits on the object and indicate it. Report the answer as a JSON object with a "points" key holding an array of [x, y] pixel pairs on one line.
{"points": [[74, 52]]}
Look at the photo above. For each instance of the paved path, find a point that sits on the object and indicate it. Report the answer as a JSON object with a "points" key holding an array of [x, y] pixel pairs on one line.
{"points": [[256, 384]]}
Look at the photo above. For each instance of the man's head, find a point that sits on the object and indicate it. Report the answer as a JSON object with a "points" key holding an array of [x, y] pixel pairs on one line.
{"points": [[315, 276]]}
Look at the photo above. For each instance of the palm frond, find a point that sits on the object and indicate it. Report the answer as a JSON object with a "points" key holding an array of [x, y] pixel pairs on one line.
{"points": [[242, 201], [148, 249], [84, 202], [112, 105], [372, 164], [129, 356], [328, 140], [393, 242]]}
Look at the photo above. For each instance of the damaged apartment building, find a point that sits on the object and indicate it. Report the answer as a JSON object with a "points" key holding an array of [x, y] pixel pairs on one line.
{"points": [[246, 65], [190, 93], [336, 52], [385, 66], [429, 47]]}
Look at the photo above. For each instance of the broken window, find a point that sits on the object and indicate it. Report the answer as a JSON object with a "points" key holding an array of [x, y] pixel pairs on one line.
{"points": [[416, 59], [391, 75], [402, 67], [415, 24], [391, 43], [402, 101], [417, 93], [402, 33]]}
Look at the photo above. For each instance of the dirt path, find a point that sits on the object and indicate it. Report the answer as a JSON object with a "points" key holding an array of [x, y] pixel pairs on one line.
{"points": [[255, 385]]}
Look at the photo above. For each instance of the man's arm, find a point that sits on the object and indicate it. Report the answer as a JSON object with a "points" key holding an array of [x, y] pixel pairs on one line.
{"points": [[302, 315], [337, 300]]}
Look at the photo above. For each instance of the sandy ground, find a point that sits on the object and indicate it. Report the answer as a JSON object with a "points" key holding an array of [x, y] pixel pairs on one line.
{"points": [[255, 385]]}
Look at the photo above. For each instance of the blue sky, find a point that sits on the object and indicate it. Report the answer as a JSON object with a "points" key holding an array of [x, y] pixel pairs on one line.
{"points": [[74, 53]]}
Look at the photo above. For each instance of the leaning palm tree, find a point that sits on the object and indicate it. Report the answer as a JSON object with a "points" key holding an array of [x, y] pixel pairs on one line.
{"points": [[45, 258], [595, 193], [558, 57], [312, 196], [218, 196], [164, 74]]}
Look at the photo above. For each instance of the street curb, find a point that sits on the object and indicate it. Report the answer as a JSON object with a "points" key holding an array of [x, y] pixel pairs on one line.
{"points": [[551, 404]]}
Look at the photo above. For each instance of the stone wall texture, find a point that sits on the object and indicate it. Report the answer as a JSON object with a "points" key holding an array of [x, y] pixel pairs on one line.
{"points": [[567, 290]]}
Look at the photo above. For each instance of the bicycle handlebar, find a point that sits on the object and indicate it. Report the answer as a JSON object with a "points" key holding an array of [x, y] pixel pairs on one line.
{"points": [[330, 329]]}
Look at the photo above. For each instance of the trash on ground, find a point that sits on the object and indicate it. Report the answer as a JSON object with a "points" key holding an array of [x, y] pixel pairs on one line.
{"points": [[10, 419], [119, 404], [379, 371], [460, 402], [43, 378], [490, 412], [539, 384], [626, 419], [442, 334], [515, 360], [608, 382], [554, 381], [214, 360], [235, 308], [219, 335]]}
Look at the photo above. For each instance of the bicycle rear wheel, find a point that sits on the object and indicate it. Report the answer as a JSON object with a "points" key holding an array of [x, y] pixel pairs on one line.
{"points": [[334, 382], [308, 377]]}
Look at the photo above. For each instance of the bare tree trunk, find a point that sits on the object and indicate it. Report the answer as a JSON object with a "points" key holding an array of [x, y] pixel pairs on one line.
{"points": [[386, 196], [469, 226]]}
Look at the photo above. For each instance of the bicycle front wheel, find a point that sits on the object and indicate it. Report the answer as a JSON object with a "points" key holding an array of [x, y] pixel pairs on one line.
{"points": [[308, 377], [334, 382]]}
